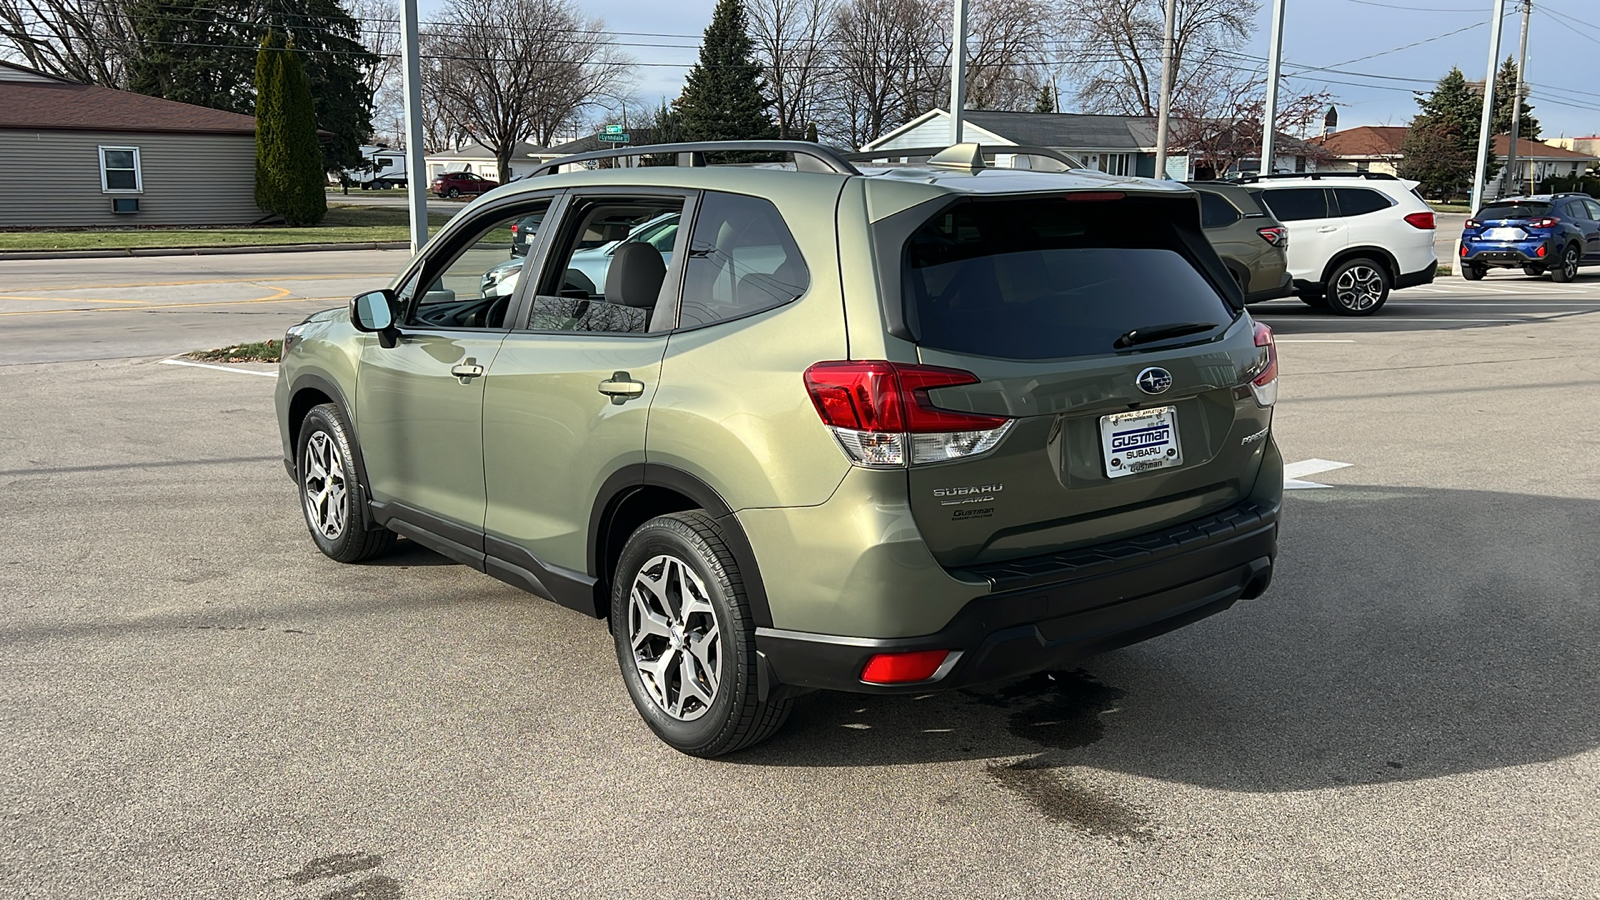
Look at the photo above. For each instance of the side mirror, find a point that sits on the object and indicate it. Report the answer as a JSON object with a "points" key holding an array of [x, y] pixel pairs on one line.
{"points": [[373, 311]]}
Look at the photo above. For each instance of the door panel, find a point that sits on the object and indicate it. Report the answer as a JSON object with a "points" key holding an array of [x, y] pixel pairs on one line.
{"points": [[551, 438], [1315, 234], [421, 426]]}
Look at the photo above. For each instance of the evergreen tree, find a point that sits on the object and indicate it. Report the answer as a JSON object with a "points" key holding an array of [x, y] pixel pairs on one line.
{"points": [[722, 97], [1441, 145], [199, 51], [1505, 87], [811, 132], [1046, 102], [289, 171]]}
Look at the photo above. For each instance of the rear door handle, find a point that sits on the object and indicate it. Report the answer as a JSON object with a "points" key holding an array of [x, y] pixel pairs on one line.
{"points": [[621, 387], [467, 371], [1327, 229]]}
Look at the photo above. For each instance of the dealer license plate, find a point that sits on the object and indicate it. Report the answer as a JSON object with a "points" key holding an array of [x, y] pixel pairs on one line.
{"points": [[1140, 441], [1504, 234]]}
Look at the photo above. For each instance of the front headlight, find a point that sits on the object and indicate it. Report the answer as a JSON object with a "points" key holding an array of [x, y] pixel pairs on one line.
{"points": [[292, 337]]}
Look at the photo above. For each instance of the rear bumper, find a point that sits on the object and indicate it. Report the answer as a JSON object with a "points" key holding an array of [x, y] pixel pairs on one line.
{"points": [[1508, 256], [1284, 289], [1051, 611], [1417, 278]]}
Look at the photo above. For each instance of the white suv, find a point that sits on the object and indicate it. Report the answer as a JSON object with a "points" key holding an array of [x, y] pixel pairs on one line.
{"points": [[1352, 236]]}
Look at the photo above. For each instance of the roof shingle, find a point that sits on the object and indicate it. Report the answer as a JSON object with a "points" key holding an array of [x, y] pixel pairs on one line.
{"points": [[65, 106]]}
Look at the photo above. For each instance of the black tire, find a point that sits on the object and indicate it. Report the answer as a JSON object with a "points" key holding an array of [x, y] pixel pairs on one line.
{"points": [[736, 717], [1565, 269], [1532, 271], [1474, 273], [1314, 299], [453, 193], [356, 539], [1358, 287]]}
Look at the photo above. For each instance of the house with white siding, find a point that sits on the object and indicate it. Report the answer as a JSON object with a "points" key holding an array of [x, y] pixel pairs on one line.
{"points": [[80, 154]]}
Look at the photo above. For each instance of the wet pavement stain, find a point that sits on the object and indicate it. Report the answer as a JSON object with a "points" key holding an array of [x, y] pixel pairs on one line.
{"points": [[333, 866], [1061, 712], [378, 887]]}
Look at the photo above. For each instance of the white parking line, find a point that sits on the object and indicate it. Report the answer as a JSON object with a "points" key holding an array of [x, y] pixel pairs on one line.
{"points": [[235, 369], [1293, 473], [1313, 341]]}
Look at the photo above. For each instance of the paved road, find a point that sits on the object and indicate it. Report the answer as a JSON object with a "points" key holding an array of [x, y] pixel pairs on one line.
{"points": [[193, 702]]}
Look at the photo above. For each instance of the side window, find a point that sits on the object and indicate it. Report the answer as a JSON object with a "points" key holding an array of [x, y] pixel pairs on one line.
{"points": [[1215, 212], [742, 260], [1593, 208], [1360, 201], [609, 267], [1297, 204], [470, 284]]}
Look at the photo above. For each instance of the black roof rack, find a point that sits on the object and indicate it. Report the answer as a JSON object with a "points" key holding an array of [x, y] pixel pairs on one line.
{"points": [[808, 157], [985, 149], [1314, 176]]}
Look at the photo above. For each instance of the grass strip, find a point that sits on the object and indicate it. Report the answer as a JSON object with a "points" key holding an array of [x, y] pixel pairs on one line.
{"points": [[254, 351], [343, 225]]}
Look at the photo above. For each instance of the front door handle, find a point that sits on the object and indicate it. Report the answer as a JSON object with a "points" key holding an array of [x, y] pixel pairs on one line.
{"points": [[466, 371], [621, 387]]}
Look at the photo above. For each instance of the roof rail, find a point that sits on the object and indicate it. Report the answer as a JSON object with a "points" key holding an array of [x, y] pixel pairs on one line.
{"points": [[1314, 176], [808, 157], [983, 150]]}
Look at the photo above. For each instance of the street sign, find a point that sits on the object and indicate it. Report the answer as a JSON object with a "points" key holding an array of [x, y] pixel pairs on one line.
{"points": [[615, 137], [613, 129]]}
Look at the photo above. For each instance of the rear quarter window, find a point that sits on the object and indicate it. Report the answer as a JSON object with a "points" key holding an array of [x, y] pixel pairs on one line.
{"points": [[1051, 278], [1215, 212], [1360, 201]]}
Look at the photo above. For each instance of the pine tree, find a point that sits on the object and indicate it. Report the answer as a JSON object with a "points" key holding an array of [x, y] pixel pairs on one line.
{"points": [[186, 52], [1046, 102], [1442, 142], [811, 132], [289, 171], [1505, 87], [722, 97]]}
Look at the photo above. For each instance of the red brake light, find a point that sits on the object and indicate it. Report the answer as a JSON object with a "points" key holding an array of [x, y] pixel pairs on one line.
{"points": [[1086, 196], [903, 668], [1265, 384], [1472, 223], [1423, 220], [886, 397], [1546, 222], [1539, 252], [1276, 235], [1463, 249]]}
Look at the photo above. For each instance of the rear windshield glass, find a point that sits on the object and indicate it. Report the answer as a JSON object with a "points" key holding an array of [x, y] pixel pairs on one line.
{"points": [[1044, 279], [1514, 211]]}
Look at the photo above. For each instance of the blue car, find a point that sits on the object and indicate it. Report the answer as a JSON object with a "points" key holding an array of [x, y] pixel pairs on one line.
{"points": [[1553, 233]]}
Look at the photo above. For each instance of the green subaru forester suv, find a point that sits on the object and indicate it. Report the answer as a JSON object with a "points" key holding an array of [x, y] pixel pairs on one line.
{"points": [[798, 425]]}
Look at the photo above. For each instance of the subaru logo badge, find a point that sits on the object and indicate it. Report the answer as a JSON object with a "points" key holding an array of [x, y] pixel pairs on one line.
{"points": [[1154, 380]]}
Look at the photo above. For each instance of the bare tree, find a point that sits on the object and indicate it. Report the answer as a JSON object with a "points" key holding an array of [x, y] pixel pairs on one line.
{"points": [[380, 32], [1007, 59], [1219, 122], [888, 65], [791, 43], [1118, 48], [83, 40], [505, 71]]}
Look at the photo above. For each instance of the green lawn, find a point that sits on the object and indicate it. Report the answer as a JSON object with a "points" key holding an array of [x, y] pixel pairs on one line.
{"points": [[257, 351], [343, 225], [1439, 206]]}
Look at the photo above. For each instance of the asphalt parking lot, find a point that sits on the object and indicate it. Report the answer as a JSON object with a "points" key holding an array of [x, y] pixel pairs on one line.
{"points": [[194, 702]]}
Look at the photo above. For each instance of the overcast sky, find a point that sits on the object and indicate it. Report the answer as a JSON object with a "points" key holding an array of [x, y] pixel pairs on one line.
{"points": [[1563, 53]]}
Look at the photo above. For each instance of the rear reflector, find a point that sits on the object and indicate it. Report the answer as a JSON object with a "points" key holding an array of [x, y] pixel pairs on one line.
{"points": [[903, 668], [1539, 252], [1423, 220]]}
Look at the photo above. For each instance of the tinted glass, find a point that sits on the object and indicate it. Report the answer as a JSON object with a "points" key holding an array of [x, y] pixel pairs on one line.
{"points": [[1296, 204], [1593, 209], [1216, 212], [1359, 201], [1045, 279], [1513, 211], [742, 259]]}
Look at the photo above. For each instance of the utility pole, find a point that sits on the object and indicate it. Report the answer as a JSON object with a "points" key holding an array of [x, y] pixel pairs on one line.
{"points": [[1166, 92], [1488, 104], [1269, 116], [1516, 100], [958, 72], [416, 163]]}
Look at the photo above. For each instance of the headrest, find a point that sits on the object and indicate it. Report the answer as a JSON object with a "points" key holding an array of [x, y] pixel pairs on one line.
{"points": [[635, 275]]}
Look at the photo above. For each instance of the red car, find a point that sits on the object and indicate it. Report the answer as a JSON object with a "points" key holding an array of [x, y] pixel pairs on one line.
{"points": [[454, 184]]}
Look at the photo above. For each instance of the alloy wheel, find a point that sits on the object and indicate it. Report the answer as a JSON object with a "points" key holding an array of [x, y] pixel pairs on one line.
{"points": [[1358, 288], [1569, 262], [327, 497], [677, 645]]}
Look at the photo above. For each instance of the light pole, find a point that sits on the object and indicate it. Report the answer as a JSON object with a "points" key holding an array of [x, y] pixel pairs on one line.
{"points": [[1488, 104], [416, 164], [1165, 108], [1516, 101], [1269, 115], [958, 71]]}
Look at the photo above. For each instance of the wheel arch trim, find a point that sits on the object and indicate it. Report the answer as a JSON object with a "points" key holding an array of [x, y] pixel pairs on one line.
{"points": [[1383, 256]]}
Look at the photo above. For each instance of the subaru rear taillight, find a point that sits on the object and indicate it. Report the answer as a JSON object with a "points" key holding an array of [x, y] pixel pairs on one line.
{"points": [[882, 417], [1472, 223], [1423, 220], [1264, 384], [1276, 235], [1545, 222]]}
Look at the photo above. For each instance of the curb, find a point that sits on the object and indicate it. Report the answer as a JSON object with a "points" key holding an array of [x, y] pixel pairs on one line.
{"points": [[200, 251]]}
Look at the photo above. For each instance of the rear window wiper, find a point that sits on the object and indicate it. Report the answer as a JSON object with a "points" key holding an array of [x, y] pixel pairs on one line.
{"points": [[1160, 333]]}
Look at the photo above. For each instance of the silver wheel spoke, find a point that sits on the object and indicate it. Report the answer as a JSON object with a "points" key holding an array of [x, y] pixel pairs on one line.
{"points": [[327, 498], [675, 637]]}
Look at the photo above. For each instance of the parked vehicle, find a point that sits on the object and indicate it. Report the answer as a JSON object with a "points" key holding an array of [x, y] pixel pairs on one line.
{"points": [[1353, 236], [1554, 233], [455, 184], [384, 168], [593, 263], [1252, 244], [906, 432]]}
